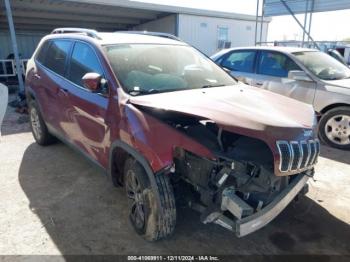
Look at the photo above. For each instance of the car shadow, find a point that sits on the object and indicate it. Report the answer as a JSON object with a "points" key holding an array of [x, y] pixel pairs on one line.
{"points": [[331, 153], [84, 214]]}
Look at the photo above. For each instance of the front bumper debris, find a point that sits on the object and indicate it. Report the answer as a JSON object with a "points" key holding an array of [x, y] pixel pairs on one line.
{"points": [[249, 224]]}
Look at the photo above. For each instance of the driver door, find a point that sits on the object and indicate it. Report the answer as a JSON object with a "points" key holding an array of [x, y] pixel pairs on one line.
{"points": [[87, 125]]}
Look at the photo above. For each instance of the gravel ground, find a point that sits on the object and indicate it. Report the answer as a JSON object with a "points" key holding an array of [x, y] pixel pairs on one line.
{"points": [[54, 202]]}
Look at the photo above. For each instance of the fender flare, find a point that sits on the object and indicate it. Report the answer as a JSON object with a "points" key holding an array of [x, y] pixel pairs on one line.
{"points": [[143, 162]]}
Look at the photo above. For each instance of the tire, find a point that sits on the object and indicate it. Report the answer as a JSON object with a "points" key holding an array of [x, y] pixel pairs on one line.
{"points": [[153, 224], [38, 127], [334, 128]]}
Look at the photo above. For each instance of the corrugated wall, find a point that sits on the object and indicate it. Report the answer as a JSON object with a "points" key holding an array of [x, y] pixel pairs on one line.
{"points": [[165, 25], [26, 42], [202, 32]]}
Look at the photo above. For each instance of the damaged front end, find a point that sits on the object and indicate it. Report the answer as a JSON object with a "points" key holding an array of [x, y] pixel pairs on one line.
{"points": [[237, 188], [239, 194], [245, 177]]}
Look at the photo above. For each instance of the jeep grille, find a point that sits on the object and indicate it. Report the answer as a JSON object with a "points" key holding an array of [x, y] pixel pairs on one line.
{"points": [[298, 155]]}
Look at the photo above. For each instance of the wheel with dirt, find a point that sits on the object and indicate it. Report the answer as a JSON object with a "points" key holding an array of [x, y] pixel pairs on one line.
{"points": [[334, 128], [39, 129], [147, 220]]}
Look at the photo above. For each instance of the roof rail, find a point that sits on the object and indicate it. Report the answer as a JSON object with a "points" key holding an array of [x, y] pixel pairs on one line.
{"points": [[164, 35], [64, 30]]}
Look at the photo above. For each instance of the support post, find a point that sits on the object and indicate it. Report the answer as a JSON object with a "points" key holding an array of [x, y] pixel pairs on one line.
{"points": [[301, 26], [262, 20], [14, 45], [310, 20], [305, 20], [256, 21]]}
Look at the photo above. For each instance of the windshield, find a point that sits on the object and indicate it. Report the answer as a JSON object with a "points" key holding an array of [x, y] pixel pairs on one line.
{"points": [[323, 65], [152, 68]]}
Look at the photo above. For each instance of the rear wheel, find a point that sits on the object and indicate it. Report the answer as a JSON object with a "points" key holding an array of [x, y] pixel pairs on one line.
{"points": [[148, 221], [334, 127], [39, 129]]}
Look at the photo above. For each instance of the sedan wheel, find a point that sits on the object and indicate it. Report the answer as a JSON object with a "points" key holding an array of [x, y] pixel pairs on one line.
{"points": [[337, 129], [334, 127]]}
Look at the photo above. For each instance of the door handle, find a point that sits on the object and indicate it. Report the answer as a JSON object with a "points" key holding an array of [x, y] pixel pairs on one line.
{"points": [[37, 76], [259, 83], [64, 90]]}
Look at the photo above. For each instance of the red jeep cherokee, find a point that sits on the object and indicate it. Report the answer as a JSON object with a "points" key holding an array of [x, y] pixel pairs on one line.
{"points": [[168, 124]]}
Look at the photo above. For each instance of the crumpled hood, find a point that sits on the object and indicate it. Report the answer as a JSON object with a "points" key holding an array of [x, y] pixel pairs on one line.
{"points": [[240, 106]]}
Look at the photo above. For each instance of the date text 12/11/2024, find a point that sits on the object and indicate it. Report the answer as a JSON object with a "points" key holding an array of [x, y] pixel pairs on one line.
{"points": [[173, 258]]}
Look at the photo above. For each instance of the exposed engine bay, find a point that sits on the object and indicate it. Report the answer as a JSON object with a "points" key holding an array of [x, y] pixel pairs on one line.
{"points": [[238, 183]]}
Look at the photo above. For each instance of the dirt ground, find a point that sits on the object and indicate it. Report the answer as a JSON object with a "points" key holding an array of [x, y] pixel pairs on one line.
{"points": [[52, 201]]}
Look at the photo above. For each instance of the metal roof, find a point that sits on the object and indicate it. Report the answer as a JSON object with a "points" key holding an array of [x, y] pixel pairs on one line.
{"points": [[102, 15], [139, 4], [45, 15], [276, 7]]}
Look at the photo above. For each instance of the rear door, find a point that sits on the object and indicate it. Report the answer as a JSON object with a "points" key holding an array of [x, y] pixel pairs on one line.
{"points": [[87, 126], [241, 64], [49, 84], [272, 74]]}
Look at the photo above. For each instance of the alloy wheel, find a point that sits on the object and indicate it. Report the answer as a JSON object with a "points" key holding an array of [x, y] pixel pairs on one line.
{"points": [[35, 123], [135, 194], [337, 129]]}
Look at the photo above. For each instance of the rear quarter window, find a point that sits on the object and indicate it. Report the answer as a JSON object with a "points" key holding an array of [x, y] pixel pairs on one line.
{"points": [[241, 61]]}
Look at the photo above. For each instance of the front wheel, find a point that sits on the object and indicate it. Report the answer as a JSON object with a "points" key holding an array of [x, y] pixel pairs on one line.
{"points": [[148, 221], [334, 128]]}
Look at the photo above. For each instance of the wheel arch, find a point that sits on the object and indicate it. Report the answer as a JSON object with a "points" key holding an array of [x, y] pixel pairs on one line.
{"points": [[121, 150], [332, 106], [30, 95]]}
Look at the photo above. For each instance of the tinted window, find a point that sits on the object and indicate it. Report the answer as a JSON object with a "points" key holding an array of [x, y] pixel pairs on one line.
{"points": [[242, 61], [56, 55], [276, 64], [83, 61], [42, 52]]}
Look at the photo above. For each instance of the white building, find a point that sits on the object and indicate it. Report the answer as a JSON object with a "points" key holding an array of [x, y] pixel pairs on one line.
{"points": [[206, 30]]}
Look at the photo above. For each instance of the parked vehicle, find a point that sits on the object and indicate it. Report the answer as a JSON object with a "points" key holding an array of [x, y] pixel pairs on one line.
{"points": [[336, 55], [306, 75], [169, 125]]}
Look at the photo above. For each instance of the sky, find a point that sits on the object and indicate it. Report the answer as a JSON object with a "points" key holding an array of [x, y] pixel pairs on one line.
{"points": [[325, 26]]}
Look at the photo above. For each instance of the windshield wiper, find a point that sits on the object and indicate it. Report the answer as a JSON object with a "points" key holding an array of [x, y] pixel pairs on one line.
{"points": [[154, 91], [209, 86], [143, 92]]}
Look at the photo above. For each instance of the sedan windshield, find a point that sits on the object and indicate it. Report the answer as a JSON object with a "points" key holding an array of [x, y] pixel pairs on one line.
{"points": [[152, 68], [323, 65]]}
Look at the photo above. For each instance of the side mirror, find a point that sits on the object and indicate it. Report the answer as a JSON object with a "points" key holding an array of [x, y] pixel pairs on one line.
{"points": [[92, 81], [299, 76]]}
